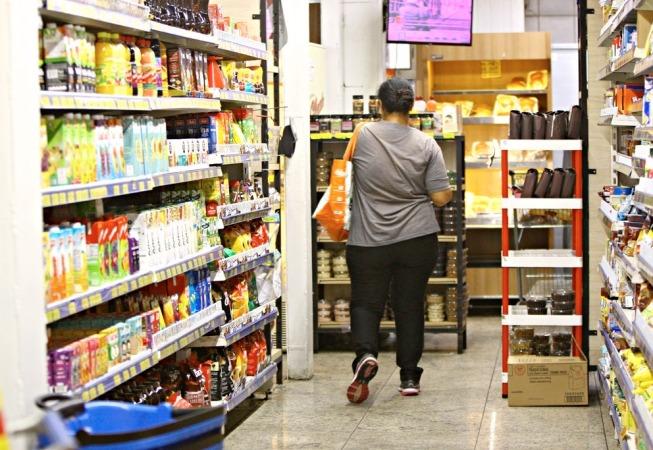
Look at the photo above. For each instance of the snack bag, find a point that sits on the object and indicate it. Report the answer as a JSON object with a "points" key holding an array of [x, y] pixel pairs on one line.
{"points": [[259, 233]]}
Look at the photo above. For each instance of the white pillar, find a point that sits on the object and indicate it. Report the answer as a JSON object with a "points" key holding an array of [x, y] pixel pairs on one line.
{"points": [[332, 41], [298, 290], [22, 315]]}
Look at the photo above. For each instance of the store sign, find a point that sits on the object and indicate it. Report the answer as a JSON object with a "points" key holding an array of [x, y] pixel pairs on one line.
{"points": [[491, 69]]}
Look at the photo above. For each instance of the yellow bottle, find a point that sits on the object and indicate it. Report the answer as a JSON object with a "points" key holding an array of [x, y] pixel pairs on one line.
{"points": [[122, 65], [105, 71]]}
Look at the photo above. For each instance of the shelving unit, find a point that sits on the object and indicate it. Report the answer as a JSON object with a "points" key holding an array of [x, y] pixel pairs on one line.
{"points": [[210, 320], [619, 271], [553, 258], [453, 150], [453, 74]]}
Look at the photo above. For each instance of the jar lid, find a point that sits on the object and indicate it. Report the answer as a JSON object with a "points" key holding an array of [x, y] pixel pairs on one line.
{"points": [[373, 97], [358, 97]]}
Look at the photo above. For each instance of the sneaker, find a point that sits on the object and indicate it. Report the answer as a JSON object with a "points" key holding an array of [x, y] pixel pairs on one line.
{"points": [[409, 388], [366, 369]]}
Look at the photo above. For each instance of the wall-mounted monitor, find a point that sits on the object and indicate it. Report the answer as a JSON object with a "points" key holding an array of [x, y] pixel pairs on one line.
{"points": [[441, 22]]}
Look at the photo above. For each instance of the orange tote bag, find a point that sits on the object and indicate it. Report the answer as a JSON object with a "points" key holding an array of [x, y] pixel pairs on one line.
{"points": [[333, 211]]}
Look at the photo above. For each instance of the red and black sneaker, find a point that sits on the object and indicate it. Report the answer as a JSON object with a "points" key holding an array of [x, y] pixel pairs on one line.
{"points": [[366, 369], [409, 388]]}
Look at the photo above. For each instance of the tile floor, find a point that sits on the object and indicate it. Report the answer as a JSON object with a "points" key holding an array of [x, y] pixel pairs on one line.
{"points": [[460, 407]]}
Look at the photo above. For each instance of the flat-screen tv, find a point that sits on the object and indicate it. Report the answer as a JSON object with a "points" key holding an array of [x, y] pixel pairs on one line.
{"points": [[442, 22]]}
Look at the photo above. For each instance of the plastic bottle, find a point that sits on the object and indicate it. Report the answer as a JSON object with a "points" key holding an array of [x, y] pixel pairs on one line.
{"points": [[66, 174], [164, 69], [420, 105], [77, 161], [122, 65], [148, 61], [91, 61], [156, 48], [67, 257], [105, 70], [136, 67], [80, 269], [58, 281], [89, 151]]}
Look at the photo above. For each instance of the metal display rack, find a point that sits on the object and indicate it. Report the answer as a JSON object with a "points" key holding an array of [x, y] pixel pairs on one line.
{"points": [[191, 330], [617, 268], [554, 258], [458, 327]]}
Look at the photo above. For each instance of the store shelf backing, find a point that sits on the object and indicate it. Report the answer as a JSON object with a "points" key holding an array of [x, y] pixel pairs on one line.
{"points": [[131, 19], [332, 283]]}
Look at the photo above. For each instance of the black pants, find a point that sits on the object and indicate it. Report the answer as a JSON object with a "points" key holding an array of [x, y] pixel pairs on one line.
{"points": [[399, 271]]}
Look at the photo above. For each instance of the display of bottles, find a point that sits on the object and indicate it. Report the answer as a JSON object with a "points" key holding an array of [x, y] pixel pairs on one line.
{"points": [[79, 149], [69, 66], [135, 75], [185, 14]]}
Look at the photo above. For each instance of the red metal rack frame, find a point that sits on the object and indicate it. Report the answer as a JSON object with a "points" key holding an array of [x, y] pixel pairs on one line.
{"points": [[577, 245]]}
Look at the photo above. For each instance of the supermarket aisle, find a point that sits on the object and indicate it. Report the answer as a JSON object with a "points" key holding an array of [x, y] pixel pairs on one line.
{"points": [[460, 407]]}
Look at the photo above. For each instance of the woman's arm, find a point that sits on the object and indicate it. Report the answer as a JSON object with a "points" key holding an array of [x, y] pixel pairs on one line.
{"points": [[441, 198], [437, 180]]}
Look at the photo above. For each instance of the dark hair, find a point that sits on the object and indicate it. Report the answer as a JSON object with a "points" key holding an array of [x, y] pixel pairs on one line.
{"points": [[396, 96]]}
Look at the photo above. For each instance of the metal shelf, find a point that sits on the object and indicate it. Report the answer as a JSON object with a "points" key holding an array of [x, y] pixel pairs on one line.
{"points": [[621, 69], [542, 144], [491, 91], [542, 320], [72, 305], [252, 385], [542, 203], [241, 263], [123, 372], [627, 13], [386, 325], [224, 44], [498, 120], [542, 258], [75, 193], [239, 328]]}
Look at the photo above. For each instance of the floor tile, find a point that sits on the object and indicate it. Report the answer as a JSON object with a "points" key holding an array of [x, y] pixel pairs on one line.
{"points": [[460, 407]]}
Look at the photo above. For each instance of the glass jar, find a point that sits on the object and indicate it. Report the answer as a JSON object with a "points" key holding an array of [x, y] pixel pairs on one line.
{"points": [[347, 124], [336, 125], [426, 122], [325, 124], [414, 121], [357, 120], [373, 105], [358, 105], [315, 124]]}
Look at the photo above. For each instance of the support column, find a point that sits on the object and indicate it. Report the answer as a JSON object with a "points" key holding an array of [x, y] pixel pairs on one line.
{"points": [[298, 289], [22, 314]]}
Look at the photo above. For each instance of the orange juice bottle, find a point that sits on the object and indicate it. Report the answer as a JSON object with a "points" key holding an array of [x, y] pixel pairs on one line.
{"points": [[149, 68], [105, 66]]}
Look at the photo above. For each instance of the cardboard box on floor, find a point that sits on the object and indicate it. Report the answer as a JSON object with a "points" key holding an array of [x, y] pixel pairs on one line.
{"points": [[547, 381]]}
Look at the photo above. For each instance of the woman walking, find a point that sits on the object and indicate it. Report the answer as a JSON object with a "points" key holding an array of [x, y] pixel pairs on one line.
{"points": [[399, 173]]}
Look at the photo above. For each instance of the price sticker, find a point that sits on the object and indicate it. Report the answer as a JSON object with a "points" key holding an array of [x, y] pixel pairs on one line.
{"points": [[132, 371], [53, 315], [92, 393], [70, 197], [81, 195], [117, 380], [46, 200], [85, 303], [125, 375], [61, 198], [56, 102], [72, 308], [96, 299], [86, 396], [101, 389], [145, 364]]}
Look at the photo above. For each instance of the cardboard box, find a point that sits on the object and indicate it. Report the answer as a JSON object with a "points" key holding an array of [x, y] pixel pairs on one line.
{"points": [[629, 97], [547, 381]]}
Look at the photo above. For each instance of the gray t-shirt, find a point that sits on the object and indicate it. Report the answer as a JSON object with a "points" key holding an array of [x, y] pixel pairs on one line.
{"points": [[395, 169]]}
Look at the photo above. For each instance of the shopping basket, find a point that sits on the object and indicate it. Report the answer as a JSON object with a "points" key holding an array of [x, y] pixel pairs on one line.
{"points": [[108, 425]]}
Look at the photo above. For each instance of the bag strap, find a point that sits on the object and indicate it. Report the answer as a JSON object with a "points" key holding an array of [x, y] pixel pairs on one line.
{"points": [[351, 146]]}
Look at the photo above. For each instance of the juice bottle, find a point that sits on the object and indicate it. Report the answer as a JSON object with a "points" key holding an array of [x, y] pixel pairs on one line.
{"points": [[122, 65], [105, 70], [77, 161], [58, 282], [136, 67], [80, 269], [47, 265], [156, 48], [46, 167], [67, 257], [91, 61], [148, 61], [164, 69], [89, 151], [66, 174]]}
